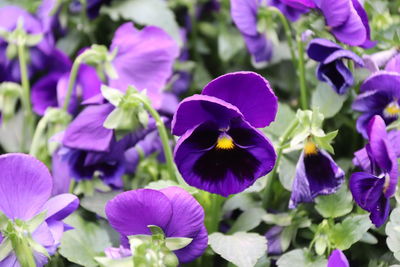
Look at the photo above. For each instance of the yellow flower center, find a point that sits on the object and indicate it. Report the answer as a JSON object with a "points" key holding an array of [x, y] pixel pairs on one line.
{"points": [[225, 142], [310, 148], [392, 109]]}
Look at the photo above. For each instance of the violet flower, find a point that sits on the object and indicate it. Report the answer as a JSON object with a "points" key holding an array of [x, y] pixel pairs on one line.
{"points": [[244, 15], [379, 59], [144, 59], [347, 20], [379, 95], [337, 259], [220, 149], [316, 174], [393, 64], [172, 209], [293, 9], [25, 191], [373, 188], [331, 68], [273, 236], [39, 54]]}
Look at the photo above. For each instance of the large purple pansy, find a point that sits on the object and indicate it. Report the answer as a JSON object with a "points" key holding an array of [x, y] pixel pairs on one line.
{"points": [[172, 209], [373, 188], [220, 150], [25, 191]]}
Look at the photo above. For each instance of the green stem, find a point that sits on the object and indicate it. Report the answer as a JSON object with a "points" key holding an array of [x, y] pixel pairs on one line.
{"points": [[164, 138], [72, 80], [301, 74], [288, 33], [288, 132], [40, 128], [26, 97]]}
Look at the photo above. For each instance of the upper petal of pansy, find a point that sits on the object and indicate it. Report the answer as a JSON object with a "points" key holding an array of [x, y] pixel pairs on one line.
{"points": [[44, 93], [259, 47], [337, 259], [187, 221], [131, 212], [144, 59], [383, 81], [60, 206], [88, 82], [393, 64], [86, 131], [25, 185], [362, 160], [336, 12], [319, 49], [244, 14], [299, 3], [249, 92], [382, 152], [353, 31], [224, 171], [197, 109]]}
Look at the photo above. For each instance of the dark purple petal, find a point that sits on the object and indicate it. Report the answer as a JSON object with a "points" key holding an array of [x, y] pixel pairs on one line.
{"points": [[381, 211], [187, 221], [87, 132], [394, 64], [319, 49], [249, 92], [337, 259], [364, 18], [224, 171], [44, 93], [131, 212], [144, 59], [292, 11], [337, 75], [299, 3], [25, 185], [366, 189], [198, 109], [61, 174], [315, 175]]}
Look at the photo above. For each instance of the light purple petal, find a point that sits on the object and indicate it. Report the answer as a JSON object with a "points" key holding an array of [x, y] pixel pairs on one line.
{"points": [[337, 259], [144, 59], [336, 12], [131, 212], [394, 64], [259, 47], [59, 207], [244, 15], [249, 92], [25, 185]]}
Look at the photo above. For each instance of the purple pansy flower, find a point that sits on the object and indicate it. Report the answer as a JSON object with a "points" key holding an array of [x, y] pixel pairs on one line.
{"points": [[331, 68], [379, 59], [39, 55], [220, 149], [393, 64], [273, 236], [316, 174], [144, 59], [172, 209], [337, 259], [379, 95], [292, 9], [244, 15], [373, 188], [26, 191], [347, 20]]}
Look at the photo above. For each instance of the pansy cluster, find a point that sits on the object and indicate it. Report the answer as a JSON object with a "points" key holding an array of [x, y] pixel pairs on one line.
{"points": [[199, 133]]}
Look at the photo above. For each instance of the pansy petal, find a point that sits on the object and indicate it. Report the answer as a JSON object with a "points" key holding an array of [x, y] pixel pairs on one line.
{"points": [[394, 141], [197, 109], [299, 3], [380, 213], [44, 93], [131, 212], [144, 59], [25, 185], [88, 82], [337, 75], [319, 49], [273, 236], [383, 81], [259, 47], [364, 18], [249, 92], [366, 189], [336, 12], [394, 64], [244, 15], [337, 259], [86, 131], [187, 221], [60, 206], [361, 159], [353, 31]]}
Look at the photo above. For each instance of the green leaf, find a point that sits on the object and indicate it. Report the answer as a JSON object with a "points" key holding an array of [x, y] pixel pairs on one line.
{"points": [[86, 241], [335, 205], [324, 142], [242, 201], [5, 248], [229, 43], [300, 257], [175, 243], [248, 220], [108, 262], [96, 202], [393, 233], [114, 96], [283, 119], [33, 39], [351, 230], [242, 249], [36, 221], [281, 219], [145, 12], [326, 100], [287, 169]]}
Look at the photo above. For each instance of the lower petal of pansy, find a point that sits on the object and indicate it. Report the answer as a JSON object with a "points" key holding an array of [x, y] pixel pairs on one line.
{"points": [[380, 212], [366, 189]]}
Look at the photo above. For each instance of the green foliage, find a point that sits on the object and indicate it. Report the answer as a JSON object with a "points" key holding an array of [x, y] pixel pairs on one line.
{"points": [[300, 257], [393, 233], [335, 205]]}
